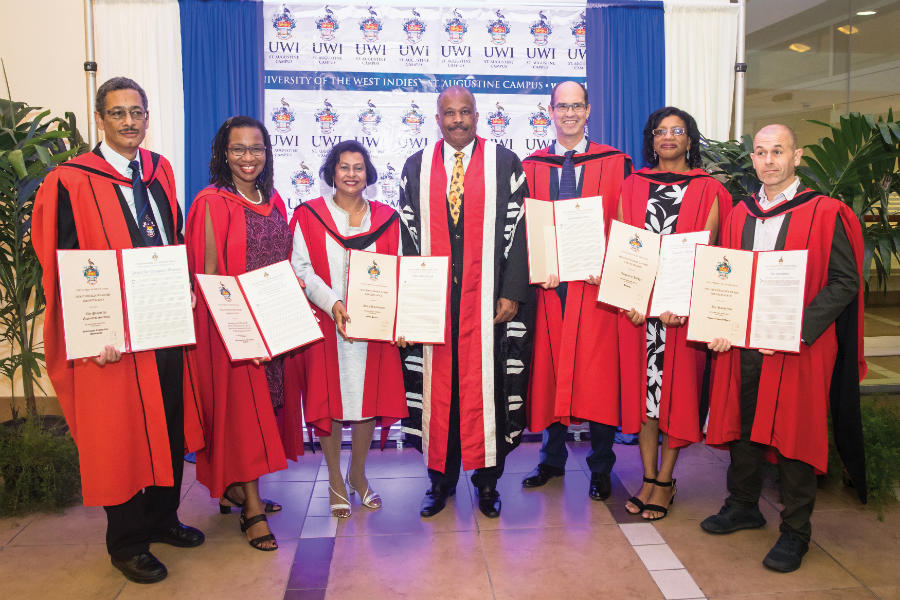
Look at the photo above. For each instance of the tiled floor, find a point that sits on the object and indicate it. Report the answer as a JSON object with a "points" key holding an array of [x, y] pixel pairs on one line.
{"points": [[552, 542]]}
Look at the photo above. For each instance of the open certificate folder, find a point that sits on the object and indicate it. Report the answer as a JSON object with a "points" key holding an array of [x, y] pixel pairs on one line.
{"points": [[134, 299], [565, 238], [752, 299], [389, 297], [261, 313], [629, 270]]}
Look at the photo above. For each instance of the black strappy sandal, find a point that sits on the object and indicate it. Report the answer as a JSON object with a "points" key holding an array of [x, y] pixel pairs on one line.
{"points": [[637, 501], [662, 509], [270, 505], [258, 542]]}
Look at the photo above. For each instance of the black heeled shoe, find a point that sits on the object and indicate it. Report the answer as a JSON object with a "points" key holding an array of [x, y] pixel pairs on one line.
{"points": [[270, 506], [258, 542], [662, 509], [637, 501]]}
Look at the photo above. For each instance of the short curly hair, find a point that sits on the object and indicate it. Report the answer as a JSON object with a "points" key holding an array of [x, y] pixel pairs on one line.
{"points": [[331, 161], [113, 85], [653, 121]]}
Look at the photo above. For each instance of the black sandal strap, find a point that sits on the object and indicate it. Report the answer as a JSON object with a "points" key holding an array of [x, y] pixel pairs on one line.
{"points": [[649, 479], [637, 502], [247, 523], [665, 483], [271, 506], [263, 538]]}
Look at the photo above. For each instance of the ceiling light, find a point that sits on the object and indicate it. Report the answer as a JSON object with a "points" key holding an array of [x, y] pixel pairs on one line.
{"points": [[798, 47], [865, 13], [848, 29]]}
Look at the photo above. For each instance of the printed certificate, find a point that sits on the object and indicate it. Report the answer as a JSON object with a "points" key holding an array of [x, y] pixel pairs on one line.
{"points": [[632, 256], [283, 314], [720, 297], [371, 295], [422, 299], [232, 316], [91, 299], [778, 297], [564, 238], [157, 290], [672, 290]]}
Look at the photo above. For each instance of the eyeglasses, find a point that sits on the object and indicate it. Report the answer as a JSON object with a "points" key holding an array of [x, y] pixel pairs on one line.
{"points": [[578, 107], [663, 131], [239, 151], [119, 114]]}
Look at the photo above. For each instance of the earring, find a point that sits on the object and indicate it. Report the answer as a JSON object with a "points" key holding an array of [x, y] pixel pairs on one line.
{"points": [[654, 156], [687, 156]]}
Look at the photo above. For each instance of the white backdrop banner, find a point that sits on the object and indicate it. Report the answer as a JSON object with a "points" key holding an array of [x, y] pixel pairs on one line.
{"points": [[372, 74]]}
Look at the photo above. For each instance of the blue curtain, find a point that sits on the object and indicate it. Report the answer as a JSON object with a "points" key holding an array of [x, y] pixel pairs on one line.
{"points": [[625, 70], [222, 66]]}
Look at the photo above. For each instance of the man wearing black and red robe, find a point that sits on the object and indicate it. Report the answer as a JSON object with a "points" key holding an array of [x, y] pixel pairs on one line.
{"points": [[575, 369], [776, 403], [132, 415], [463, 198]]}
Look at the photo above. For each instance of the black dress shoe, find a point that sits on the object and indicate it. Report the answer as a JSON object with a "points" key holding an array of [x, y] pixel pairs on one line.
{"points": [[181, 535], [787, 553], [434, 501], [601, 486], [541, 475], [141, 568], [733, 518], [489, 502]]}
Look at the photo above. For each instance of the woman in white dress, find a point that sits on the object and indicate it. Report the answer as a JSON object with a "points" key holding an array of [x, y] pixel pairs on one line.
{"points": [[347, 380]]}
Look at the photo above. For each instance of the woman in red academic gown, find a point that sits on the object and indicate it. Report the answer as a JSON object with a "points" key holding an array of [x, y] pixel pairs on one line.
{"points": [[355, 380], [661, 372], [235, 225]]}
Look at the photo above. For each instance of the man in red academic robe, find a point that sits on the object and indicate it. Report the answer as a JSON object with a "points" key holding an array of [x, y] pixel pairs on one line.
{"points": [[574, 368], [131, 415], [463, 198], [764, 402]]}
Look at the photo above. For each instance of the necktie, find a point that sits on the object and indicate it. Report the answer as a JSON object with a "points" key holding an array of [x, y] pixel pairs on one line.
{"points": [[145, 219], [568, 188], [455, 195]]}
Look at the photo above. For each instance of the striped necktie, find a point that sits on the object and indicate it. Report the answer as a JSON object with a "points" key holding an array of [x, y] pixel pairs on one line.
{"points": [[455, 195], [145, 219]]}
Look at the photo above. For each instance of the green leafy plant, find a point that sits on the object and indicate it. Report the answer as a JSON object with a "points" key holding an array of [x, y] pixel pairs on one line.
{"points": [[31, 143], [38, 468], [858, 164], [730, 163]]}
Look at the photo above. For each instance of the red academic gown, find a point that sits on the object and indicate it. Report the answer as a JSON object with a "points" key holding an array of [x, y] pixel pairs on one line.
{"points": [[242, 435], [383, 393], [574, 367], [115, 412], [683, 362], [793, 397]]}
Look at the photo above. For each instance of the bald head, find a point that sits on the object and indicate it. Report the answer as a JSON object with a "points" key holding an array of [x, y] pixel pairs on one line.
{"points": [[456, 116], [570, 88], [776, 157], [569, 110]]}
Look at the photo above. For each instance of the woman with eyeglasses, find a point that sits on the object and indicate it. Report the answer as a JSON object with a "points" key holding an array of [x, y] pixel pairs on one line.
{"points": [[238, 224], [356, 381], [672, 194]]}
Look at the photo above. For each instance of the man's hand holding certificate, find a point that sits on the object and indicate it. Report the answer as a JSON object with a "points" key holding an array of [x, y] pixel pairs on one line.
{"points": [[565, 238]]}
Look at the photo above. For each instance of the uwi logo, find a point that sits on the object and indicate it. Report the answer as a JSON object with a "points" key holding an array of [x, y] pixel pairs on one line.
{"points": [[389, 182], [326, 117], [413, 119], [723, 269], [498, 121], [541, 30], [224, 292], [302, 180], [283, 23], [579, 30], [327, 25], [371, 26], [539, 121], [499, 29], [369, 119], [414, 28], [456, 27], [283, 116], [635, 242], [374, 271], [91, 272]]}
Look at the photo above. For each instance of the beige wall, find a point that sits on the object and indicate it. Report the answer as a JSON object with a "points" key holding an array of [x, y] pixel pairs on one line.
{"points": [[44, 68], [45, 65]]}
